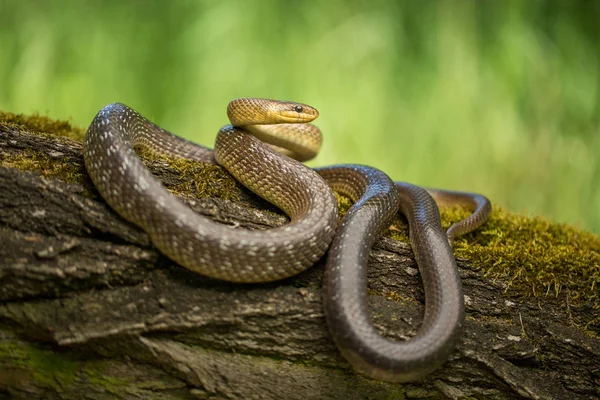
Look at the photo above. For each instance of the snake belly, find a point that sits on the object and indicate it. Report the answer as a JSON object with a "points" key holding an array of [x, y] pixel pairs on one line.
{"points": [[215, 250]]}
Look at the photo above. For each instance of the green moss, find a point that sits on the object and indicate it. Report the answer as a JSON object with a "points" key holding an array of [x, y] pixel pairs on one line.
{"points": [[41, 124], [197, 179], [61, 371], [30, 160], [398, 230], [395, 296], [95, 374], [534, 255], [43, 366]]}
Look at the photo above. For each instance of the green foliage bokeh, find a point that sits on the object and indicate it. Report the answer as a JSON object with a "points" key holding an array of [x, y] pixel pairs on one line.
{"points": [[501, 98]]}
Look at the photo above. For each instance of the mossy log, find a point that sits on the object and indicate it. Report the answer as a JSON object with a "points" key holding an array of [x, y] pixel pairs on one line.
{"points": [[89, 309]]}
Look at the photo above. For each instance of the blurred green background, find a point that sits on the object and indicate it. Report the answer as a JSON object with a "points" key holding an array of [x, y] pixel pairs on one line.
{"points": [[498, 97]]}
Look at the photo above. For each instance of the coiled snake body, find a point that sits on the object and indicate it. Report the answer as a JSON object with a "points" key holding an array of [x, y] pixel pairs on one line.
{"points": [[215, 250]]}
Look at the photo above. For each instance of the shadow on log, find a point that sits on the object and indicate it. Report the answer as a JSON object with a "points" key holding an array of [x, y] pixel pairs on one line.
{"points": [[89, 309]]}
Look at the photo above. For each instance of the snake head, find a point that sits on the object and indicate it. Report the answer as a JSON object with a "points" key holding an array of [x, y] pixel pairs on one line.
{"points": [[253, 111], [296, 112]]}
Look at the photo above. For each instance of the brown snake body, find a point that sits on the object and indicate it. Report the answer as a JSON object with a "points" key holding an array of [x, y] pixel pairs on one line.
{"points": [[215, 250]]}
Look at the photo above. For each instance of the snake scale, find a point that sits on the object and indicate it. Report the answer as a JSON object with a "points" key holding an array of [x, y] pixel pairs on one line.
{"points": [[251, 148]]}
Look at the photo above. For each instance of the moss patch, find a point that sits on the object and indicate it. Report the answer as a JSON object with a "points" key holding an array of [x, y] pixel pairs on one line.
{"points": [[43, 366], [534, 254], [23, 364], [197, 179], [30, 160], [38, 123]]}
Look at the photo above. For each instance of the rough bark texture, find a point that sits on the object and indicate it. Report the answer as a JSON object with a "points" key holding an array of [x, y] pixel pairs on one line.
{"points": [[90, 310]]}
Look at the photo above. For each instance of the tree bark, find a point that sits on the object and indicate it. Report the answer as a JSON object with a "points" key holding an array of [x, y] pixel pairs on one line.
{"points": [[89, 309]]}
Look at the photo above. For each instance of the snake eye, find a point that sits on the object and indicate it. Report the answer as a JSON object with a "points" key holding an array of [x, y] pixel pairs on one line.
{"points": [[298, 109]]}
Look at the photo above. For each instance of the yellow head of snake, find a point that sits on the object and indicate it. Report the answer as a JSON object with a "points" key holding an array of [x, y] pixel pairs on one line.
{"points": [[252, 111]]}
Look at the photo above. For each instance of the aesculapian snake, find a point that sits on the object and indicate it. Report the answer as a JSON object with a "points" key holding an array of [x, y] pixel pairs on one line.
{"points": [[305, 195]]}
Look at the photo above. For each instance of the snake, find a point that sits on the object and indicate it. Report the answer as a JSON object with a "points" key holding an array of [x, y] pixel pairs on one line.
{"points": [[263, 148]]}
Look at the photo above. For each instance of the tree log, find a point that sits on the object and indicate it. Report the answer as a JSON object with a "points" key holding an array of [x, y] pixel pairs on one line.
{"points": [[89, 309]]}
